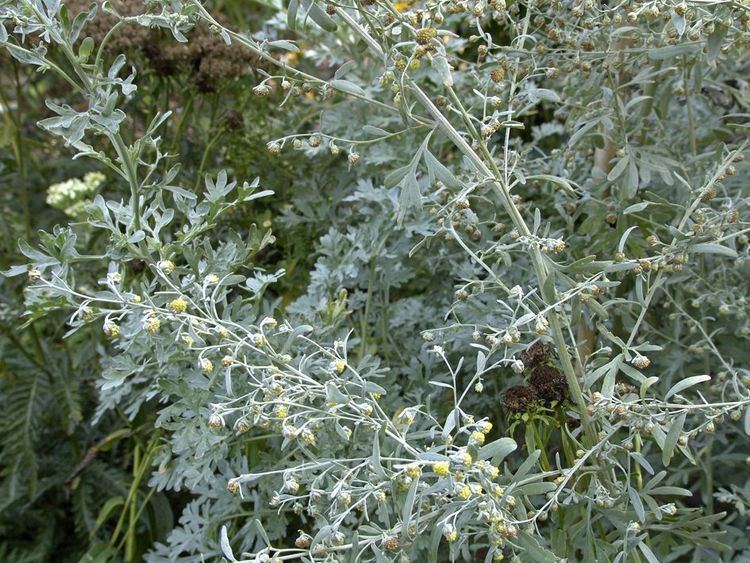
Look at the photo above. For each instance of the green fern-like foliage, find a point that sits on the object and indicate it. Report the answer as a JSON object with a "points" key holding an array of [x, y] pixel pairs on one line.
{"points": [[60, 475]]}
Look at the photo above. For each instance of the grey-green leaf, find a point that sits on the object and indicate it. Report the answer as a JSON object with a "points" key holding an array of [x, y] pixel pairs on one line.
{"points": [[671, 440], [685, 383]]}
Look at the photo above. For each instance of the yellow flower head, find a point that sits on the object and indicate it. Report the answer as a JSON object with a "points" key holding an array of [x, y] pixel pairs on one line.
{"points": [[477, 438], [441, 468], [463, 492], [166, 266], [465, 458], [111, 329], [178, 305], [450, 533], [413, 471], [152, 324]]}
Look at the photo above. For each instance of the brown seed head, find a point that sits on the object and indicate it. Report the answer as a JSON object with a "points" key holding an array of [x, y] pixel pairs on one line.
{"points": [[520, 399], [536, 354], [497, 74], [549, 383], [391, 543]]}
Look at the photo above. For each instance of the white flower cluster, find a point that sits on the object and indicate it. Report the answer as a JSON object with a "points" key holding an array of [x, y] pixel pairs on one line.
{"points": [[70, 196]]}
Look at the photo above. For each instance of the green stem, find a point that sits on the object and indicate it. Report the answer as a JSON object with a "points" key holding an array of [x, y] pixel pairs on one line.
{"points": [[487, 168], [140, 466], [131, 173], [107, 37], [204, 158], [365, 317], [20, 154]]}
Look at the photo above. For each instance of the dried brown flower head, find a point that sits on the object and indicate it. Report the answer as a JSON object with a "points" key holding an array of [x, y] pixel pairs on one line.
{"points": [[206, 58], [549, 383], [520, 399], [534, 355]]}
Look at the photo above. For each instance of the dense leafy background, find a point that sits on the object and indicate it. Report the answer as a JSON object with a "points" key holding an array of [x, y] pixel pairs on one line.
{"points": [[622, 128]]}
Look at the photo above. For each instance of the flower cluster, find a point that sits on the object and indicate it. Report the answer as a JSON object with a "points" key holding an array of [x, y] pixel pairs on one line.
{"points": [[72, 196]]}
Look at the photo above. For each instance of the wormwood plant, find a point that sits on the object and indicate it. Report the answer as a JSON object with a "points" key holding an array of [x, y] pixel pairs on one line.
{"points": [[524, 333]]}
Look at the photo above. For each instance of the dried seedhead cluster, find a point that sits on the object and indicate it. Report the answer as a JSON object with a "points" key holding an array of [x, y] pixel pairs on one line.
{"points": [[206, 59]]}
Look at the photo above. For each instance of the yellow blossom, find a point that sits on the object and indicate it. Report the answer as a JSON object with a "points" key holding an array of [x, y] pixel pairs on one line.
{"points": [[477, 438], [178, 305], [152, 324], [450, 533], [463, 492], [441, 468], [465, 458], [111, 329], [308, 437], [413, 471]]}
